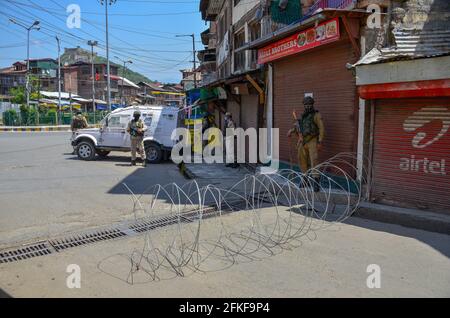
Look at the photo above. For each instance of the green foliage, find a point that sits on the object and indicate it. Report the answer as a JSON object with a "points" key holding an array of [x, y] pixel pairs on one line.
{"points": [[19, 96], [28, 115], [10, 117]]}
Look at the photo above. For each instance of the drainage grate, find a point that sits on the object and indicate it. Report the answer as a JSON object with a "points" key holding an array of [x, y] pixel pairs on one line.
{"points": [[144, 226], [130, 229], [83, 239], [25, 252]]}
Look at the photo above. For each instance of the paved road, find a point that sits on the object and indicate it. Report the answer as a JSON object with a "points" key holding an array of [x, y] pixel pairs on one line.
{"points": [[331, 262], [44, 190]]}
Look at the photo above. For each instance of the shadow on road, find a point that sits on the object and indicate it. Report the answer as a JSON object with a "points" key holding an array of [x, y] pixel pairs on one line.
{"points": [[440, 242], [4, 294]]}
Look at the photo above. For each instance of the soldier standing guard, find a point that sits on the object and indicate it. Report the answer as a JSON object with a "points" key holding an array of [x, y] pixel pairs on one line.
{"points": [[311, 132], [78, 122], [136, 129]]}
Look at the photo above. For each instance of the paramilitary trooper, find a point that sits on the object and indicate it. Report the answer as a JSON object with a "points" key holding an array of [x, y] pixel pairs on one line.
{"points": [[78, 122], [136, 129], [311, 132]]}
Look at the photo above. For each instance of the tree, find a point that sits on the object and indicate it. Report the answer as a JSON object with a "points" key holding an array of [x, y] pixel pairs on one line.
{"points": [[19, 95]]}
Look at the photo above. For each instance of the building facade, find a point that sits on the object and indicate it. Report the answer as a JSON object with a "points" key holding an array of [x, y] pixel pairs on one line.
{"points": [[12, 77], [404, 84], [78, 80]]}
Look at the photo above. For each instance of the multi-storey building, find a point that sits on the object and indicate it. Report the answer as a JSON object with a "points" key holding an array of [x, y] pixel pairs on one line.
{"points": [[78, 80], [43, 72], [12, 77], [378, 71]]}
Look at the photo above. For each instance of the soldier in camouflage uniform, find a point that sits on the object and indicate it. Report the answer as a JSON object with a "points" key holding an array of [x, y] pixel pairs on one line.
{"points": [[78, 122], [311, 132], [136, 129]]}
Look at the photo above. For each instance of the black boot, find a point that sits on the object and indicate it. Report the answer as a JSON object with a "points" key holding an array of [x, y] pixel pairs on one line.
{"points": [[304, 182], [144, 163], [133, 162], [317, 184]]}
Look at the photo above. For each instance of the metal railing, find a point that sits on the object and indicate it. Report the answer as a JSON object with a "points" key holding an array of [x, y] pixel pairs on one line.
{"points": [[270, 26], [333, 4]]}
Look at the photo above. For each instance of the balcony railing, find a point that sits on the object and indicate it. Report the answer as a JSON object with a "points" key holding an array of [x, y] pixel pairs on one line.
{"points": [[208, 78], [270, 26], [330, 4]]}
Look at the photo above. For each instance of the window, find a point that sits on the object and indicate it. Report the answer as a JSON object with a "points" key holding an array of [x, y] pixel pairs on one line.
{"points": [[222, 26], [86, 71], [148, 120], [239, 57], [254, 30], [118, 121]]}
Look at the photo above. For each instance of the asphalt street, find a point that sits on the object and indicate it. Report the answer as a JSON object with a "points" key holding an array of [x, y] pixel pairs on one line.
{"points": [[46, 191]]}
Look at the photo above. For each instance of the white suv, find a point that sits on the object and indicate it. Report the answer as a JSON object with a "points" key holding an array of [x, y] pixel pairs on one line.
{"points": [[112, 135]]}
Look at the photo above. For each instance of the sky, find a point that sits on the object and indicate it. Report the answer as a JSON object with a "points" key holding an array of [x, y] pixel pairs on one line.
{"points": [[143, 31]]}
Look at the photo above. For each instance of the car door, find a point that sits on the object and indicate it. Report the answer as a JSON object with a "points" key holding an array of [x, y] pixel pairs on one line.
{"points": [[114, 135]]}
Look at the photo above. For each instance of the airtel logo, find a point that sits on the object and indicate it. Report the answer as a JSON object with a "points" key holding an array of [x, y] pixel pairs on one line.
{"points": [[423, 117]]}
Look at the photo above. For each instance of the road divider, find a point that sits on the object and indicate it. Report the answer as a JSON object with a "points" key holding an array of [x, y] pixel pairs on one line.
{"points": [[35, 128]]}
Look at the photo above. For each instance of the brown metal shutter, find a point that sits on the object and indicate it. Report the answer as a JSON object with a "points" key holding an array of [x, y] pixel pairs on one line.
{"points": [[249, 111], [412, 153], [321, 71]]}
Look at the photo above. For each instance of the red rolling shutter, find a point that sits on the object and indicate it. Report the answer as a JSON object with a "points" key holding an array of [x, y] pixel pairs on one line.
{"points": [[412, 153]]}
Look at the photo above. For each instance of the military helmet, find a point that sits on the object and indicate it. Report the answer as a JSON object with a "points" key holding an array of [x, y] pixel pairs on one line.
{"points": [[308, 100], [228, 114], [136, 113]]}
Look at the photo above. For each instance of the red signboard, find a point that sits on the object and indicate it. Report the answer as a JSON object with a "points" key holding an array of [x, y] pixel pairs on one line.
{"points": [[323, 33]]}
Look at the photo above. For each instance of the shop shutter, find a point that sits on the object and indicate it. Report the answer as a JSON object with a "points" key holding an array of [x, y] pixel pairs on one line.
{"points": [[412, 153], [322, 72]]}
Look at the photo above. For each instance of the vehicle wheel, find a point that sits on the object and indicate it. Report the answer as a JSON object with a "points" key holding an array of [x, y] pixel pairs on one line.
{"points": [[86, 151], [154, 153], [103, 153]]}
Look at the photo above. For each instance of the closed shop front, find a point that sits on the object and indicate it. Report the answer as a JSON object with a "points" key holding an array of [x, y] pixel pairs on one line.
{"points": [[249, 111], [411, 153], [322, 73]]}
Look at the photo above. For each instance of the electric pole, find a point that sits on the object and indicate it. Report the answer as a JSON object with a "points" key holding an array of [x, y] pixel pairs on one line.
{"points": [[108, 80], [194, 51], [59, 77], [34, 26], [92, 44], [124, 69]]}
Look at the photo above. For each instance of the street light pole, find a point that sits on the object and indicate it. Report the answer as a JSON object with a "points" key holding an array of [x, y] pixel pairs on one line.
{"points": [[108, 80], [36, 27], [193, 52], [195, 63], [92, 44], [59, 77]]}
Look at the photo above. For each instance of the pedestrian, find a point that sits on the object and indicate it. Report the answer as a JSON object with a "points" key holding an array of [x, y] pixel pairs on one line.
{"points": [[230, 141], [136, 129], [311, 132], [78, 122]]}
